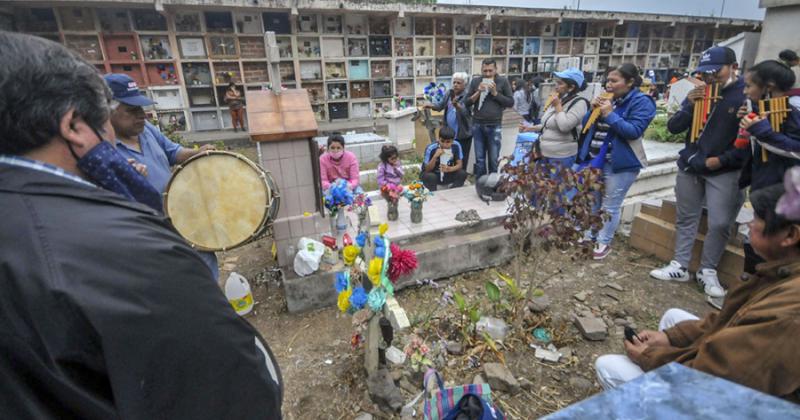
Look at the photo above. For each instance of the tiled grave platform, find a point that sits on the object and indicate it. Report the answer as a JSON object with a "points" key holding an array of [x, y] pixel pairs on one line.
{"points": [[444, 246], [677, 392]]}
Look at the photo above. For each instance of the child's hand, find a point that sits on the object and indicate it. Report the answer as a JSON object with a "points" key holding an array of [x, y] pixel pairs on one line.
{"points": [[438, 153], [749, 120]]}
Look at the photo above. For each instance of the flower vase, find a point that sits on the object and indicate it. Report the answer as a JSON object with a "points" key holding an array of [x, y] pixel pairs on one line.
{"points": [[341, 221], [416, 212], [391, 210], [363, 220]]}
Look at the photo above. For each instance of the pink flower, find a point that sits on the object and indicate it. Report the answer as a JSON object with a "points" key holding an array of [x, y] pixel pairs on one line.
{"points": [[789, 204]]}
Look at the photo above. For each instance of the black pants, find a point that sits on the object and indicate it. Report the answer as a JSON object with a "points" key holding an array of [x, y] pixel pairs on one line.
{"points": [[432, 180], [466, 146]]}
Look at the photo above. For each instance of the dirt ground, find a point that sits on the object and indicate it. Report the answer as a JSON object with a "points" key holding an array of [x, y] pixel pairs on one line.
{"points": [[325, 378]]}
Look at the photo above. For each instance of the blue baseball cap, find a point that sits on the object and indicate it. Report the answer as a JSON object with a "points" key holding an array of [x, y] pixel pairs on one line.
{"points": [[125, 90], [714, 58], [571, 73]]}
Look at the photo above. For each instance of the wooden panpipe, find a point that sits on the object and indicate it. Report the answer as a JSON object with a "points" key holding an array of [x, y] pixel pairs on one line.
{"points": [[547, 104], [596, 112], [776, 110], [702, 110]]}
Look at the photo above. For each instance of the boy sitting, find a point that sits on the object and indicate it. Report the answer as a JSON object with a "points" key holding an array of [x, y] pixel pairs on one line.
{"points": [[754, 339], [443, 163]]}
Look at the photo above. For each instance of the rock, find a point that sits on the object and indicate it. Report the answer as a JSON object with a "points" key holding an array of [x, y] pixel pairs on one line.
{"points": [[582, 385], [612, 274], [478, 379], [396, 375], [364, 416], [525, 384], [592, 328], [464, 291], [580, 296], [455, 348], [383, 392], [539, 303], [566, 352], [615, 286], [547, 354], [621, 321], [408, 386], [500, 378], [395, 355]]}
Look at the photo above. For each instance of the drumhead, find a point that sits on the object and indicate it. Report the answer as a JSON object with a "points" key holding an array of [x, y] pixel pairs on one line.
{"points": [[218, 200]]}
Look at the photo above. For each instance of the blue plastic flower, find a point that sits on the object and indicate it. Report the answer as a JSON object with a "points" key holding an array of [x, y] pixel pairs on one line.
{"points": [[376, 299], [361, 239], [359, 298], [380, 251], [378, 241], [341, 281]]}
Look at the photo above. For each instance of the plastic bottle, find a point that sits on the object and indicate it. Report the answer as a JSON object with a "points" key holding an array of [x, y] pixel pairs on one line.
{"points": [[237, 291]]}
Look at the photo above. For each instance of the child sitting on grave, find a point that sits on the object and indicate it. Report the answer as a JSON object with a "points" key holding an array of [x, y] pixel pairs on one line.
{"points": [[336, 163], [444, 162], [754, 339], [390, 170]]}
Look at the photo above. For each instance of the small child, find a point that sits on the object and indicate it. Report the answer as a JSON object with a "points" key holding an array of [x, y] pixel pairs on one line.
{"points": [[443, 162], [390, 170]]}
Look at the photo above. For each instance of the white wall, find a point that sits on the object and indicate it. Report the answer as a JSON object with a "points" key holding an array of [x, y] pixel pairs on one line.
{"points": [[780, 31]]}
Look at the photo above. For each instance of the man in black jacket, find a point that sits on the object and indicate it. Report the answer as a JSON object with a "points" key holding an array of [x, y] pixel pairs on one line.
{"points": [[105, 312], [487, 97], [709, 172]]}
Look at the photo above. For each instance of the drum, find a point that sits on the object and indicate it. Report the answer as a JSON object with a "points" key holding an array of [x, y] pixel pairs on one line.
{"points": [[220, 200]]}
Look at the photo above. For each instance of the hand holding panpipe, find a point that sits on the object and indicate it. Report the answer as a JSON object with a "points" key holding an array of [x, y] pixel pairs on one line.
{"points": [[596, 112], [702, 109], [777, 110]]}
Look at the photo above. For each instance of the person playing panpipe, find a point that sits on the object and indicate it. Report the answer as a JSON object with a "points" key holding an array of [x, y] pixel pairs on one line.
{"points": [[709, 169], [774, 125]]}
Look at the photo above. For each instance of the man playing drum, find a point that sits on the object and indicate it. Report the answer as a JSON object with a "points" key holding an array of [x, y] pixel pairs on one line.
{"points": [[141, 141]]}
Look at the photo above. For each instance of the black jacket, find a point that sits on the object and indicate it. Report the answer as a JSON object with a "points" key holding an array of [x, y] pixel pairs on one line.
{"points": [[106, 313], [491, 113], [462, 114], [759, 174], [717, 138]]}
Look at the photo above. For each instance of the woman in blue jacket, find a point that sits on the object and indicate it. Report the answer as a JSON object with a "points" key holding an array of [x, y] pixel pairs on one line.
{"points": [[614, 143]]}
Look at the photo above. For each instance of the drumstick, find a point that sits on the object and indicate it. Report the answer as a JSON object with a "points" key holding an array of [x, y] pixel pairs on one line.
{"points": [[596, 112]]}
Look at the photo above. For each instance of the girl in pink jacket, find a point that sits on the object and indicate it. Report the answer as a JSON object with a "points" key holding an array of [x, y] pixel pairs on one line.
{"points": [[337, 163]]}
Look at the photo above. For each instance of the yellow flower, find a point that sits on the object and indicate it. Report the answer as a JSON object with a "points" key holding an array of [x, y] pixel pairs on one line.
{"points": [[374, 272], [383, 228], [350, 253], [344, 300]]}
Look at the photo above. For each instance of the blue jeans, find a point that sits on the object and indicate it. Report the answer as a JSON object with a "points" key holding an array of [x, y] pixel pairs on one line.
{"points": [[617, 186], [486, 140]]}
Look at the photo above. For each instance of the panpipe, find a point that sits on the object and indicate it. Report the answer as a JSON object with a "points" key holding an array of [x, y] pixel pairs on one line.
{"points": [[702, 110], [547, 104], [596, 112], [777, 110]]}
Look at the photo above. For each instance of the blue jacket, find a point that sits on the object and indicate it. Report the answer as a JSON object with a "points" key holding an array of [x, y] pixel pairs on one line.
{"points": [[760, 174], [717, 138], [627, 122]]}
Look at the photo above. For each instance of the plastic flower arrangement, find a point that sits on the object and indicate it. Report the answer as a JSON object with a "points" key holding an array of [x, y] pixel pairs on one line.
{"points": [[360, 203], [417, 351], [435, 93], [392, 193], [338, 196], [416, 193]]}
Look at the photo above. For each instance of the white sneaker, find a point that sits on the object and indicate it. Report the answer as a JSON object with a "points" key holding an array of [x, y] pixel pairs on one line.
{"points": [[671, 272], [708, 278]]}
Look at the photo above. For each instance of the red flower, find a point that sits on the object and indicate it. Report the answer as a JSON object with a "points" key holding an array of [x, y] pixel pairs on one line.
{"points": [[403, 261]]}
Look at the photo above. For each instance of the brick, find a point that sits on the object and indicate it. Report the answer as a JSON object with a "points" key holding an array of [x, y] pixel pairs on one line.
{"points": [[593, 329], [252, 47]]}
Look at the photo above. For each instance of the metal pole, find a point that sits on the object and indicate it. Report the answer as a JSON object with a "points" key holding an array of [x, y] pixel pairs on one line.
{"points": [[722, 11]]}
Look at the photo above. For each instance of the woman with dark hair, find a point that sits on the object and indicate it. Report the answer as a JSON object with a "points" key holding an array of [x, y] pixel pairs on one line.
{"points": [[773, 153], [791, 59], [337, 163], [233, 97], [562, 118], [614, 143]]}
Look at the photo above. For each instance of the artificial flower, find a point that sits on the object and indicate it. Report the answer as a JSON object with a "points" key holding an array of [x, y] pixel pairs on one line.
{"points": [[383, 228], [374, 272], [789, 204], [344, 300], [342, 281], [402, 262], [361, 239], [358, 298], [350, 253], [376, 299]]}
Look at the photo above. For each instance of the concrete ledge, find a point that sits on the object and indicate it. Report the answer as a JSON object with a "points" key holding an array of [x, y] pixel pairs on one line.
{"points": [[440, 254]]}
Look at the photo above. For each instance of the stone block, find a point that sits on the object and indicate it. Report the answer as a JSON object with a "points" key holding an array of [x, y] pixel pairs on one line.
{"points": [[395, 314], [500, 378], [593, 329]]}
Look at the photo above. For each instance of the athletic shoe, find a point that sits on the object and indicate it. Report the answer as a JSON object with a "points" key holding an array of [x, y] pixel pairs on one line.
{"points": [[671, 272], [601, 251], [708, 278]]}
